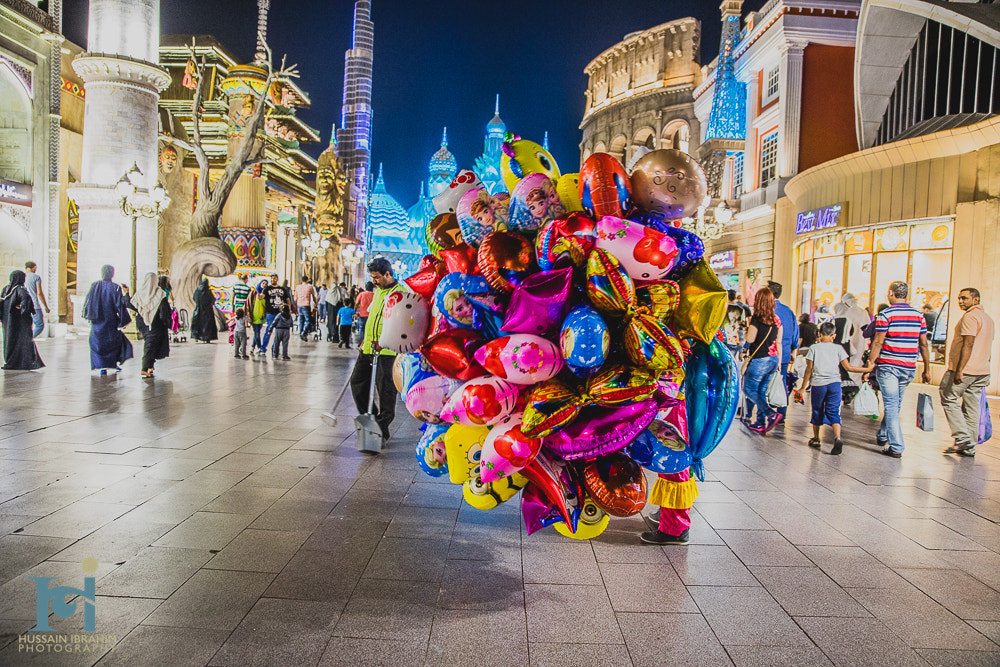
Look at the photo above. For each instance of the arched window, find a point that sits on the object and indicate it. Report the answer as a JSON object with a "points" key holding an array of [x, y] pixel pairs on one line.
{"points": [[618, 147], [677, 134]]}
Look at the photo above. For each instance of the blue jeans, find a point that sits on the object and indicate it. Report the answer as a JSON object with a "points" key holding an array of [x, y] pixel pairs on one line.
{"points": [[322, 310], [303, 319], [256, 345], [892, 382], [269, 319], [38, 323], [758, 376], [825, 401]]}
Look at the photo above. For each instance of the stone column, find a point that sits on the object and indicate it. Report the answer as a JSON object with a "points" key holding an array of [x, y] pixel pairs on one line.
{"points": [[120, 128], [750, 158], [790, 107]]}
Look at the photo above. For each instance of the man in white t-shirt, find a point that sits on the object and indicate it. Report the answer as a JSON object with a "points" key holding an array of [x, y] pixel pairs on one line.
{"points": [[33, 283]]}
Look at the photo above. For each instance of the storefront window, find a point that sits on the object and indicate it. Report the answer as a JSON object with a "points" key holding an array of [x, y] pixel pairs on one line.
{"points": [[829, 284], [889, 267], [930, 282], [859, 278]]}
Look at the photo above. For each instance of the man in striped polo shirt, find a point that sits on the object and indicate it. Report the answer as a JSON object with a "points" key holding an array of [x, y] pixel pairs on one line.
{"points": [[900, 334]]}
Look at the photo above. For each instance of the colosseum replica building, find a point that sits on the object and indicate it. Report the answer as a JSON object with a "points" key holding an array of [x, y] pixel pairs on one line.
{"points": [[640, 92]]}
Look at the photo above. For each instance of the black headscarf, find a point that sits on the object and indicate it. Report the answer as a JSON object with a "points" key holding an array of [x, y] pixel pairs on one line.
{"points": [[17, 278]]}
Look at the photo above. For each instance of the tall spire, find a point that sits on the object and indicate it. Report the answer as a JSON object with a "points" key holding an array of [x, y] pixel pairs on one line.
{"points": [[262, 8], [333, 136], [356, 113], [727, 120], [496, 110], [444, 137]]}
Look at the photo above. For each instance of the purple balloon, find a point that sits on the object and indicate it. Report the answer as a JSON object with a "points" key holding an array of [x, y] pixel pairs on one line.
{"points": [[537, 511], [540, 303], [600, 430]]}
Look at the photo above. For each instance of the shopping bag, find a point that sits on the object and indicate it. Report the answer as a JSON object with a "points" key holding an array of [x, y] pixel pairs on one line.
{"points": [[776, 396], [985, 423], [925, 412], [866, 402]]}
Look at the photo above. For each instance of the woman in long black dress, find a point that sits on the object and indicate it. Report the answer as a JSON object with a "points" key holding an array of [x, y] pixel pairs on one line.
{"points": [[16, 309], [151, 302], [203, 326]]}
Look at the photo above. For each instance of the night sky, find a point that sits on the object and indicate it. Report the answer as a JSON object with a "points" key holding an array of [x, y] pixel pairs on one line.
{"points": [[439, 64]]}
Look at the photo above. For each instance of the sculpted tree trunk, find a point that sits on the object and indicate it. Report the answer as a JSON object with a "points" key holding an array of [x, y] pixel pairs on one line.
{"points": [[206, 254]]}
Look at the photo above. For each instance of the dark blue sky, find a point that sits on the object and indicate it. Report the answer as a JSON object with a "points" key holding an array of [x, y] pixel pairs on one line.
{"points": [[440, 64]]}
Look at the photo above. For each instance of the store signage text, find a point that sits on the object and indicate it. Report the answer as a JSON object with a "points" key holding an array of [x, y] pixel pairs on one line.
{"points": [[818, 219], [12, 192], [723, 260]]}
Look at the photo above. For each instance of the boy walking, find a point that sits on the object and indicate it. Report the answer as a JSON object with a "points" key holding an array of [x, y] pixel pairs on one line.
{"points": [[823, 362], [282, 332], [240, 335], [345, 318]]}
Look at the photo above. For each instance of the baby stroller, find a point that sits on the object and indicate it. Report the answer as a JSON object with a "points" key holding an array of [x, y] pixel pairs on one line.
{"points": [[312, 331], [180, 325]]}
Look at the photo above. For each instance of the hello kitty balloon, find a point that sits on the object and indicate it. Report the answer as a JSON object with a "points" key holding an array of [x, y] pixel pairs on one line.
{"points": [[405, 320]]}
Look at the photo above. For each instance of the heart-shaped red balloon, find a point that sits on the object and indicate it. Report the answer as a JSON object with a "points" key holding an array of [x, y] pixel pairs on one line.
{"points": [[506, 258], [426, 280], [451, 353], [460, 259]]}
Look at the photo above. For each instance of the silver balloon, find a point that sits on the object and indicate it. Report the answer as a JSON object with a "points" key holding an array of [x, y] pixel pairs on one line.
{"points": [[668, 182]]}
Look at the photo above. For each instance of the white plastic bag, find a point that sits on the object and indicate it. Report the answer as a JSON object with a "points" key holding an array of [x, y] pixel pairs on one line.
{"points": [[776, 396], [866, 402]]}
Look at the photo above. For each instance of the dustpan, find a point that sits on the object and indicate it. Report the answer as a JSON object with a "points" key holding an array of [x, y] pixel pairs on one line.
{"points": [[368, 434]]}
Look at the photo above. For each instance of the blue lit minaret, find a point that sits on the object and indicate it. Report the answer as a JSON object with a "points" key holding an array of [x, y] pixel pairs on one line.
{"points": [[487, 165], [355, 134]]}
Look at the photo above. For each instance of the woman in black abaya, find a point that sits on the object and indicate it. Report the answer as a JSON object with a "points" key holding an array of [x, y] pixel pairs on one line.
{"points": [[203, 326], [151, 302], [16, 309]]}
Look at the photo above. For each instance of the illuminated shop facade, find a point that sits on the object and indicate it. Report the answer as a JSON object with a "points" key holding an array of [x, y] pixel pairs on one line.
{"points": [[921, 201]]}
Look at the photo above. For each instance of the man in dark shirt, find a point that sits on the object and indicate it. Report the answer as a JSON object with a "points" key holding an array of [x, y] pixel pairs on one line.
{"points": [[930, 317], [275, 296]]}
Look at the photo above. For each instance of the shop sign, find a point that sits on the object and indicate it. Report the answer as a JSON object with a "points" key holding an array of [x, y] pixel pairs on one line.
{"points": [[723, 260], [12, 192], [818, 219]]}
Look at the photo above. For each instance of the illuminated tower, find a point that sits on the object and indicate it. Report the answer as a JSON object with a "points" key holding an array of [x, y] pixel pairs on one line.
{"points": [[355, 134], [487, 165], [727, 121], [442, 168], [120, 129]]}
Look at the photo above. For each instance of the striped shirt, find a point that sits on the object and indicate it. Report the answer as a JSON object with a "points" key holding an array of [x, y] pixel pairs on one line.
{"points": [[240, 293], [902, 326]]}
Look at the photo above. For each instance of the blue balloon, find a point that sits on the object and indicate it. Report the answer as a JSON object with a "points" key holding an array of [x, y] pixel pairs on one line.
{"points": [[666, 452], [584, 341], [414, 370], [452, 302], [711, 389], [430, 450]]}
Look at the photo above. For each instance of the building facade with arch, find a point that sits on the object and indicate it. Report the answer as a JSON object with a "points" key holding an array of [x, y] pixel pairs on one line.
{"points": [[640, 92]]}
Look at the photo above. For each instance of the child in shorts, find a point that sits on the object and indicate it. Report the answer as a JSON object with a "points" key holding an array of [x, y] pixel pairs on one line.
{"points": [[823, 374]]}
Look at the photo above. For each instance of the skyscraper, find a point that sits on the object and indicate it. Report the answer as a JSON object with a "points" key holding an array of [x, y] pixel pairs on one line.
{"points": [[355, 134]]}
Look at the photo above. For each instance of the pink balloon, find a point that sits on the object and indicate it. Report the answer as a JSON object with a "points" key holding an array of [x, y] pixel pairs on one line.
{"points": [[674, 413], [480, 402], [644, 253], [599, 430], [521, 358], [507, 449], [427, 398], [540, 303]]}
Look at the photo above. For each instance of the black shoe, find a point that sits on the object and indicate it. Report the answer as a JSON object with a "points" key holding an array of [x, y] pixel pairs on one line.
{"points": [[958, 448], [888, 451], [659, 537], [286, 358], [881, 444], [838, 447], [968, 451]]}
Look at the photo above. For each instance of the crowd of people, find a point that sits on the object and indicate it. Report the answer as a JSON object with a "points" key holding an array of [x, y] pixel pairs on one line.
{"points": [[783, 355]]}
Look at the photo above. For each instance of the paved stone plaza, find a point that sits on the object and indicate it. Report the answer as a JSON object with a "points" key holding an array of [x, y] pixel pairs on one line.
{"points": [[231, 527]]}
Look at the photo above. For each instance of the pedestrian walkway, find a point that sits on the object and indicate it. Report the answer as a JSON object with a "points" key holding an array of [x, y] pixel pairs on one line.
{"points": [[231, 527]]}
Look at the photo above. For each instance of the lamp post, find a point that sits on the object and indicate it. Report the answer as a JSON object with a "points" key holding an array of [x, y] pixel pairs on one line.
{"points": [[709, 229], [136, 203]]}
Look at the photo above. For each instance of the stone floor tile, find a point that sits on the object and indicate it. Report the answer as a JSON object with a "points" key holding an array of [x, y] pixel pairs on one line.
{"points": [[277, 476], [808, 531], [317, 575], [683, 639], [455, 641], [212, 599], [558, 614], [19, 596], [777, 656], [807, 591], [280, 632], [205, 530], [131, 491], [422, 521], [747, 616], [241, 462], [920, 621], [388, 609], [560, 563], [22, 552], [990, 629], [433, 495], [709, 565], [858, 641], [174, 468], [963, 595], [956, 658], [352, 651], [932, 535], [408, 559], [152, 646], [117, 541], [259, 551], [241, 499], [853, 567], [763, 547], [293, 512], [77, 520], [574, 655], [474, 584], [155, 572], [614, 546], [738, 516], [661, 590]]}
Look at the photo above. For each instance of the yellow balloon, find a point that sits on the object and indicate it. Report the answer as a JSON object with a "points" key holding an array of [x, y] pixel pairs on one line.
{"points": [[487, 496], [463, 445], [702, 308], [593, 521], [528, 158], [568, 189]]}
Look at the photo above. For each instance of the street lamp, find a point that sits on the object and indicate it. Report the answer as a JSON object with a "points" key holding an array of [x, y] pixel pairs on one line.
{"points": [[708, 229], [136, 203]]}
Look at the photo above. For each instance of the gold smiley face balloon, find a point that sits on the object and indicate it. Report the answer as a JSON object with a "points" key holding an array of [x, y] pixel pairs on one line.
{"points": [[668, 182], [521, 158]]}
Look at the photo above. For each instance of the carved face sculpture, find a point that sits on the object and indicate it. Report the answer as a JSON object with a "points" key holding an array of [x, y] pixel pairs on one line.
{"points": [[331, 184], [168, 159]]}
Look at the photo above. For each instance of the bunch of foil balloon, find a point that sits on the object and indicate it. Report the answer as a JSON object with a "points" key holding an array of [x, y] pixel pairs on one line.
{"points": [[564, 336]]}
